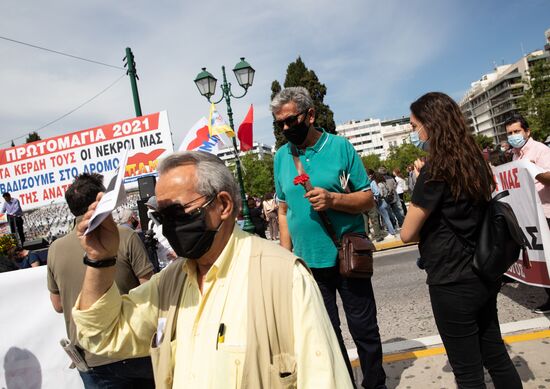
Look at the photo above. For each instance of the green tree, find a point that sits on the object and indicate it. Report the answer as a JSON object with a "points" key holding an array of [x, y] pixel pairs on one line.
{"points": [[371, 161], [534, 105], [483, 141], [33, 137], [258, 174], [402, 156], [297, 74], [279, 137]]}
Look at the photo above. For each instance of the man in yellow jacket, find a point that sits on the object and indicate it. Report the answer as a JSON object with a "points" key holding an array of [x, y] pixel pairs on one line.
{"points": [[216, 342]]}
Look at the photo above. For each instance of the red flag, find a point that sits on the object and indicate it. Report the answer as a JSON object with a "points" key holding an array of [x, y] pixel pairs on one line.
{"points": [[245, 130]]}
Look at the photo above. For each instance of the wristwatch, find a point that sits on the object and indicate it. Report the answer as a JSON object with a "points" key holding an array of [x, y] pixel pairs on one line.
{"points": [[101, 263]]}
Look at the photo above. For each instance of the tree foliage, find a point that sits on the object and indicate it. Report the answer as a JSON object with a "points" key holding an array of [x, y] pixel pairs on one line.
{"points": [[279, 137], [483, 141], [534, 105], [257, 174], [371, 161], [297, 74], [33, 137], [402, 156]]}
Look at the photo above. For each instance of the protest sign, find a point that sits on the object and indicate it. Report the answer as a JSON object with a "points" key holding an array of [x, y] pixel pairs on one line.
{"points": [[38, 173], [518, 178]]}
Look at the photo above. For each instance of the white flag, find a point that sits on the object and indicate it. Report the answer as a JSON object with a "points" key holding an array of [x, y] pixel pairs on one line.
{"points": [[198, 138]]}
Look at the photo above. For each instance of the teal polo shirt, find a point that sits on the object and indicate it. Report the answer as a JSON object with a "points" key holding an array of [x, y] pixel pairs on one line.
{"points": [[325, 162]]}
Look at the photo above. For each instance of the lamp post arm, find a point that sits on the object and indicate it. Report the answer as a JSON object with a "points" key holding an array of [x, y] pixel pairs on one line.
{"points": [[238, 97], [215, 102]]}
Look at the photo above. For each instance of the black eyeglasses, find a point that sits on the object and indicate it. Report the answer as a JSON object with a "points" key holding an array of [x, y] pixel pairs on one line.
{"points": [[179, 212], [289, 121]]}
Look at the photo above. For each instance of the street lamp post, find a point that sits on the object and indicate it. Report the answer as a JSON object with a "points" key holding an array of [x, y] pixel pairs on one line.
{"points": [[206, 83]]}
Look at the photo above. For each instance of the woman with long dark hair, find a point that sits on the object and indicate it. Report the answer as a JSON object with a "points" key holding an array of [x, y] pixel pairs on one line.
{"points": [[448, 203]]}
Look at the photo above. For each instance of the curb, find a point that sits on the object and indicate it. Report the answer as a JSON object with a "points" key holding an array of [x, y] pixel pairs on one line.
{"points": [[381, 246], [415, 348]]}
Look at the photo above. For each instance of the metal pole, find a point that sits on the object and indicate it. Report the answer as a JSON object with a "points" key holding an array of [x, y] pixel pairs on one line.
{"points": [[226, 89], [133, 75]]}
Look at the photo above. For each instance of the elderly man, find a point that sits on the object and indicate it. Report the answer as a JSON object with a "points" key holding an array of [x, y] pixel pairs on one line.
{"points": [[525, 147], [334, 169], [248, 312]]}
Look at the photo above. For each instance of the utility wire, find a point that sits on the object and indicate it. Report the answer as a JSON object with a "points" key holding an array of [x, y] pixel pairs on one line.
{"points": [[61, 53], [70, 112]]}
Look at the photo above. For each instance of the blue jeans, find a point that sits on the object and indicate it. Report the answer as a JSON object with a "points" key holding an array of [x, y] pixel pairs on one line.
{"points": [[135, 373], [398, 212], [467, 320], [383, 209], [360, 309]]}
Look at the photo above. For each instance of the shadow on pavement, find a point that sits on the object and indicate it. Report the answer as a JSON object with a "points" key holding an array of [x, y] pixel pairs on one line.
{"points": [[521, 364], [524, 295], [395, 370]]}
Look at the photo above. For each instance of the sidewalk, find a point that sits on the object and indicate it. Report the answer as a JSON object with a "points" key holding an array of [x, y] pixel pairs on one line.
{"points": [[390, 243], [422, 363]]}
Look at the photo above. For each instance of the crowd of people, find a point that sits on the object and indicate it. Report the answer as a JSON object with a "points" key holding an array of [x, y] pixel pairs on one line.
{"points": [[232, 309]]}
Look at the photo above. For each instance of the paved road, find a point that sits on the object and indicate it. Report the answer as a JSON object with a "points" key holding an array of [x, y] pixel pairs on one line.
{"points": [[404, 310]]}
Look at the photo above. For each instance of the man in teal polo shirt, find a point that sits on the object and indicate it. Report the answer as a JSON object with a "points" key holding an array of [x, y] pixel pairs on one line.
{"points": [[334, 168]]}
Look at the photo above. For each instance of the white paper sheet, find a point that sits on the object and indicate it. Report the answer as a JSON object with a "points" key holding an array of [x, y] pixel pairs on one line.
{"points": [[113, 197]]}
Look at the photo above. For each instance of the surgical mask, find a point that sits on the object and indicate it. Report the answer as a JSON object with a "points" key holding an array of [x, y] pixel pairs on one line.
{"points": [[297, 134], [187, 232], [415, 140], [516, 141]]}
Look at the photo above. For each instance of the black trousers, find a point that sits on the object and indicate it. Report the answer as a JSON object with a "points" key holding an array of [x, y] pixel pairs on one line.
{"points": [[467, 320], [16, 226], [136, 373], [360, 309]]}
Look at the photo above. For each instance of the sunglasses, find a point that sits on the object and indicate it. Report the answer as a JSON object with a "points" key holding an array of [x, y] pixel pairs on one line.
{"points": [[289, 121], [179, 212]]}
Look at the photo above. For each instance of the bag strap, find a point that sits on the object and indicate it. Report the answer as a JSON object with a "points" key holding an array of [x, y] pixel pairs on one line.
{"points": [[322, 214]]}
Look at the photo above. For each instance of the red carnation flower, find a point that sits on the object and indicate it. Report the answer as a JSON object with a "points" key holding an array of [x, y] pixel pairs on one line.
{"points": [[301, 179]]}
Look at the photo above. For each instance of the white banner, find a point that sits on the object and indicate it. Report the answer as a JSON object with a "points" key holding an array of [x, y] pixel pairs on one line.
{"points": [[38, 173], [30, 354], [518, 178]]}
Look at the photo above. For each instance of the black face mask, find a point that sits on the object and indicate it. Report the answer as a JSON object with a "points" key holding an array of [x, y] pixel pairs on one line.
{"points": [[297, 134], [189, 236]]}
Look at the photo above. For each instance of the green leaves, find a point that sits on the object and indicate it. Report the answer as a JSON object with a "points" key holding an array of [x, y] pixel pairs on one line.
{"points": [[33, 137], [535, 103], [258, 174]]}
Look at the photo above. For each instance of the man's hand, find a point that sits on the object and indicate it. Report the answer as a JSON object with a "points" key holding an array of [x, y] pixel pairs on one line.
{"points": [[101, 243], [320, 199]]}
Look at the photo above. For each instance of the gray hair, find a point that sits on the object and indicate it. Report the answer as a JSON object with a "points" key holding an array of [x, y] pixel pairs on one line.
{"points": [[296, 94], [212, 176]]}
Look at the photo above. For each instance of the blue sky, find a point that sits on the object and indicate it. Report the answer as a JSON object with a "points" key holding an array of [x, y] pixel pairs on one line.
{"points": [[375, 57]]}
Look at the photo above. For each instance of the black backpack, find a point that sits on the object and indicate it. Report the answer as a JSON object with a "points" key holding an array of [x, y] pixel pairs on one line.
{"points": [[499, 242]]}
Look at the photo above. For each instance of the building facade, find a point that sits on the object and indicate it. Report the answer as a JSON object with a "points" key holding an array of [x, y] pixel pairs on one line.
{"points": [[493, 98], [373, 136], [227, 154], [364, 135]]}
